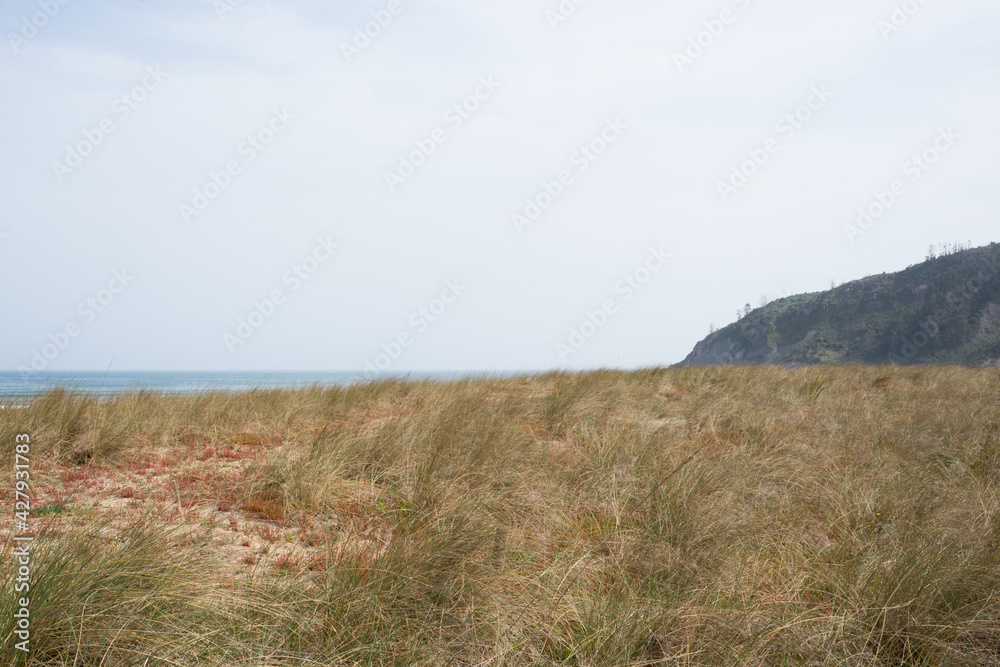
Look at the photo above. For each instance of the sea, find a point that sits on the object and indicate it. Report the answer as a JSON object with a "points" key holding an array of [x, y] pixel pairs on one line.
{"points": [[18, 386]]}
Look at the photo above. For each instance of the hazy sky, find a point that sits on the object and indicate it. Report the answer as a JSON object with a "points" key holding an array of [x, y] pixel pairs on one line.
{"points": [[470, 182]]}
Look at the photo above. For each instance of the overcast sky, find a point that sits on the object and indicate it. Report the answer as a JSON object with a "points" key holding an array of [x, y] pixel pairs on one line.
{"points": [[258, 185]]}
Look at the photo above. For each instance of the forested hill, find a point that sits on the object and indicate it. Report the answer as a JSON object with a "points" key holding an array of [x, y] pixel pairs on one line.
{"points": [[943, 310]]}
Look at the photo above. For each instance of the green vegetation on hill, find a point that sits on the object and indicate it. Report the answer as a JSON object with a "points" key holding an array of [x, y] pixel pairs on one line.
{"points": [[943, 310]]}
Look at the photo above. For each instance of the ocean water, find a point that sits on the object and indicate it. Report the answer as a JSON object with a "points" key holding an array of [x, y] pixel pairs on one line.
{"points": [[14, 385]]}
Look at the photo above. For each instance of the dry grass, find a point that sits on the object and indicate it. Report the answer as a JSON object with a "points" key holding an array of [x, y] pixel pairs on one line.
{"points": [[835, 516]]}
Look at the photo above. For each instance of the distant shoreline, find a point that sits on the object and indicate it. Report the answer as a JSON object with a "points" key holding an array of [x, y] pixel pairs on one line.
{"points": [[101, 383]]}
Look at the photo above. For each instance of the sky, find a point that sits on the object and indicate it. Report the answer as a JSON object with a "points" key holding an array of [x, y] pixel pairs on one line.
{"points": [[491, 186]]}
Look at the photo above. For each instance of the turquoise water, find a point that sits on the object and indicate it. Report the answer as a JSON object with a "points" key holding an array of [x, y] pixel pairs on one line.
{"points": [[13, 384]]}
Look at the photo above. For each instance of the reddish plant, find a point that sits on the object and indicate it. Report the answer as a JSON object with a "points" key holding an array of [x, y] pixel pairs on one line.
{"points": [[267, 509], [317, 563], [267, 533], [286, 562]]}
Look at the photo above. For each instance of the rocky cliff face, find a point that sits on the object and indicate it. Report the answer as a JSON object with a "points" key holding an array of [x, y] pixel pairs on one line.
{"points": [[944, 310]]}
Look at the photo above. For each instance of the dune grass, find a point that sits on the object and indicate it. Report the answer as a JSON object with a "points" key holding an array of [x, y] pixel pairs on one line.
{"points": [[831, 516]]}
